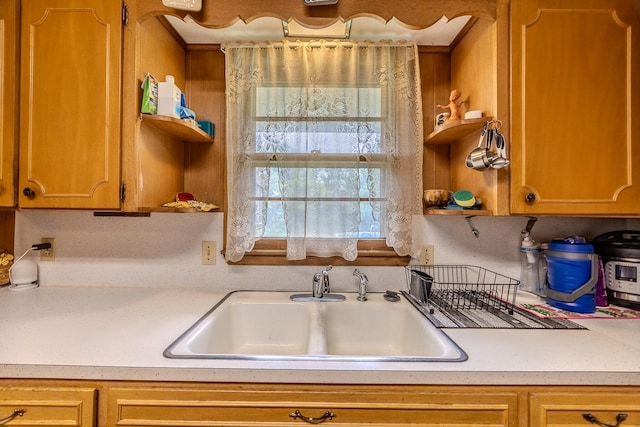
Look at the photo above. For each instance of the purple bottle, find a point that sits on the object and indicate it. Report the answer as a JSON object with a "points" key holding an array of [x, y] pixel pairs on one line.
{"points": [[601, 289]]}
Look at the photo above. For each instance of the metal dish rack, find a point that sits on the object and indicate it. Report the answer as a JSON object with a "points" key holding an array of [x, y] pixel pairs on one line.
{"points": [[467, 287]]}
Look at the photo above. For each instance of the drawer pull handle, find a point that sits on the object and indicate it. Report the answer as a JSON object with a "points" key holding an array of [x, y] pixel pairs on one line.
{"points": [[594, 420], [326, 416], [16, 413]]}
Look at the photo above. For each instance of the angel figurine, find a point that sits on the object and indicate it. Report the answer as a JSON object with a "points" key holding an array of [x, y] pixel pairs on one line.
{"points": [[453, 106]]}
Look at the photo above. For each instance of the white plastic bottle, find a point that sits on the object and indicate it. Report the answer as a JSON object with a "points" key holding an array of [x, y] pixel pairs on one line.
{"points": [[169, 98], [530, 273]]}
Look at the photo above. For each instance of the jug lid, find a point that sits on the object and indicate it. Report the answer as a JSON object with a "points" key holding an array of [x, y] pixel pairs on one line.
{"points": [[564, 246]]}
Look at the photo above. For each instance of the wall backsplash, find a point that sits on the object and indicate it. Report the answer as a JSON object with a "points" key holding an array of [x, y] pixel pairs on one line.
{"points": [[165, 250]]}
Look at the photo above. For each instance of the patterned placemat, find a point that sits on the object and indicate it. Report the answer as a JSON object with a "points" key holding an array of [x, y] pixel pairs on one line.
{"points": [[546, 311]]}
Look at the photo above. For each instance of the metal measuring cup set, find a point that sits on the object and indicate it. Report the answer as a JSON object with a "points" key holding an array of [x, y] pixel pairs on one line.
{"points": [[484, 156]]}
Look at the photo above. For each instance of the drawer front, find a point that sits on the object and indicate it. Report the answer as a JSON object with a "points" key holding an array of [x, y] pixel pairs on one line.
{"points": [[211, 408], [585, 409], [48, 406]]}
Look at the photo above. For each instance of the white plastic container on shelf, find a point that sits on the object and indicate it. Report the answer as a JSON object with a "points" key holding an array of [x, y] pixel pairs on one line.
{"points": [[169, 98]]}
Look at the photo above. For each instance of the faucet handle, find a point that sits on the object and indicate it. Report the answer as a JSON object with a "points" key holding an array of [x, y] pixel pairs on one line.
{"points": [[317, 289], [325, 280]]}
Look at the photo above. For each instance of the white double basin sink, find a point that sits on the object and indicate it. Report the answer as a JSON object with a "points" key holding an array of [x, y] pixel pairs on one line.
{"points": [[268, 325]]}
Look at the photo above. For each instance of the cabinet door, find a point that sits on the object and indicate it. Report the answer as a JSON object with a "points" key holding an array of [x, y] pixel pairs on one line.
{"points": [[50, 407], [580, 408], [250, 405], [575, 107], [70, 104], [9, 24]]}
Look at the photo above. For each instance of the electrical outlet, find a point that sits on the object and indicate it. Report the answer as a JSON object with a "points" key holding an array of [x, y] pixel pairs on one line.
{"points": [[48, 254], [208, 253], [426, 255]]}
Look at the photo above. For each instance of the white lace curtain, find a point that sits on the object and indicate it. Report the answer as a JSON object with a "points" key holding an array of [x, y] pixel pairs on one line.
{"points": [[324, 145]]}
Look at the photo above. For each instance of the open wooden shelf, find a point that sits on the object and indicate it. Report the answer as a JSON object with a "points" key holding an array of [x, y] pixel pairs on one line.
{"points": [[179, 128], [458, 212], [453, 131], [162, 209]]}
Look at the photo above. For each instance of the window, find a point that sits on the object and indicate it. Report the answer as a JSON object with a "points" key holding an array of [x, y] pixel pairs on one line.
{"points": [[317, 168], [324, 146]]}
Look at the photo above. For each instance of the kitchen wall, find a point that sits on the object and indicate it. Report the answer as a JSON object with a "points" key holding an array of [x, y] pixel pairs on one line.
{"points": [[165, 250]]}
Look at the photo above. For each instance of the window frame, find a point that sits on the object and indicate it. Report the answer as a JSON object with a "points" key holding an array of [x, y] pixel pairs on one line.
{"points": [[371, 252], [273, 251]]}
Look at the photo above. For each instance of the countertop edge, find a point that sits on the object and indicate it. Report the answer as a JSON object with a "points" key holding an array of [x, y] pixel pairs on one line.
{"points": [[304, 376]]}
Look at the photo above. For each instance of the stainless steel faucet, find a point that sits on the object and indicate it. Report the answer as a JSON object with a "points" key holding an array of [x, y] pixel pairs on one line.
{"points": [[362, 288], [321, 290], [321, 284]]}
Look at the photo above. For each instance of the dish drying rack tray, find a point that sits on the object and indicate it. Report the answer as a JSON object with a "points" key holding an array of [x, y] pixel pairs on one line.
{"points": [[466, 287]]}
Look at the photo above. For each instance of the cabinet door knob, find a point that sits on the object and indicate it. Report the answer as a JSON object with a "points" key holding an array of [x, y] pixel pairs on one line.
{"points": [[29, 192], [530, 198]]}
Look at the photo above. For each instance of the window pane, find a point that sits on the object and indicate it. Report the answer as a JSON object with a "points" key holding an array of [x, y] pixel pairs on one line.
{"points": [[290, 136], [328, 183], [275, 223], [317, 136], [318, 101], [369, 226], [324, 190]]}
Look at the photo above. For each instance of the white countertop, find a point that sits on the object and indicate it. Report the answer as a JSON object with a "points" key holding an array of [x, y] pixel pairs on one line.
{"points": [[112, 333]]}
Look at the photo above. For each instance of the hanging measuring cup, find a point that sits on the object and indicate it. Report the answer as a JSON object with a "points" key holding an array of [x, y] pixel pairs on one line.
{"points": [[481, 158], [501, 148]]}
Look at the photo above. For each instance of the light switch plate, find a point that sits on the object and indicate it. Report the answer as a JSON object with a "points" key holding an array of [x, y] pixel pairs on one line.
{"points": [[426, 255], [208, 252], [192, 5]]}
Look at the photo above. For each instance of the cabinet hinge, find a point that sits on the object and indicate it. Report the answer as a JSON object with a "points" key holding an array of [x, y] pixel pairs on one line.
{"points": [[125, 13], [123, 192]]}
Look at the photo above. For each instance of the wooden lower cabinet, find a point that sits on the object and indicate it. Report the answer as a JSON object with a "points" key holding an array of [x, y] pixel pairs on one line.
{"points": [[48, 406], [583, 408], [278, 405], [86, 403]]}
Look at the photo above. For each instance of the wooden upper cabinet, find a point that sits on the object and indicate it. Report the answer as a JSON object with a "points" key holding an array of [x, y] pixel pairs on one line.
{"points": [[9, 24], [575, 107], [70, 104]]}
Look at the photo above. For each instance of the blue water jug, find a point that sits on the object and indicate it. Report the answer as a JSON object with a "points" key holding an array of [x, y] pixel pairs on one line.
{"points": [[571, 276]]}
